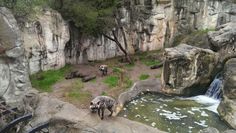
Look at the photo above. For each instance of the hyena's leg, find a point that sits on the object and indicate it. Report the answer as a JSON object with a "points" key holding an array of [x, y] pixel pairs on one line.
{"points": [[111, 110], [99, 112], [102, 113]]}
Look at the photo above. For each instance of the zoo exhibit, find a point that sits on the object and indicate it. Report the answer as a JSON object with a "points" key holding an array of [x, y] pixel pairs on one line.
{"points": [[117, 66]]}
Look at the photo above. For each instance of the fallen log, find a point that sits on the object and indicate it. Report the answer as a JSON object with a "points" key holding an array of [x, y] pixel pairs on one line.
{"points": [[157, 66], [88, 78], [75, 74]]}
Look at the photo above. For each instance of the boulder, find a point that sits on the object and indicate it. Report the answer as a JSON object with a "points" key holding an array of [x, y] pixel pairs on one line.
{"points": [[64, 117], [188, 70], [223, 37], [227, 107], [14, 80]]}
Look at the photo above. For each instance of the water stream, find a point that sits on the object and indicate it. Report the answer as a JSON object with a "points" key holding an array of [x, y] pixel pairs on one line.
{"points": [[177, 114]]}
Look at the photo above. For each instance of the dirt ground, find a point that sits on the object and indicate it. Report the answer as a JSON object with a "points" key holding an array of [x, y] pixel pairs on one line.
{"points": [[98, 87]]}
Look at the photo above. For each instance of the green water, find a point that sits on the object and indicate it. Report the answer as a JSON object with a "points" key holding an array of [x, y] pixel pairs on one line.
{"points": [[174, 115]]}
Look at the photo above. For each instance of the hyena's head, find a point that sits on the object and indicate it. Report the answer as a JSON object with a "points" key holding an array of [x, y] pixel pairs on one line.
{"points": [[94, 106], [102, 67]]}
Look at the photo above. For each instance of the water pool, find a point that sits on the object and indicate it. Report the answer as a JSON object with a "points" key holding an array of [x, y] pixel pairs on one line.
{"points": [[174, 114]]}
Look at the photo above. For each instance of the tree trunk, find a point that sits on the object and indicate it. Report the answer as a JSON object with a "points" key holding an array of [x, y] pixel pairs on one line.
{"points": [[115, 39]]}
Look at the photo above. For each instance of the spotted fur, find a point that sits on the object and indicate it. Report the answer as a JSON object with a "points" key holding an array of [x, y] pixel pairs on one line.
{"points": [[103, 69], [100, 103]]}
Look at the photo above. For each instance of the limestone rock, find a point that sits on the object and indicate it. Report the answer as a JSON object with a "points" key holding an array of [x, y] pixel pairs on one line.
{"points": [[150, 85], [14, 80], [223, 37], [227, 107], [151, 25], [209, 130], [230, 131], [45, 40], [64, 117], [188, 70]]}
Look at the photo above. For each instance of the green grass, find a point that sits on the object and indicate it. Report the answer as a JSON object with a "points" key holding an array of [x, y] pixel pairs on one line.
{"points": [[43, 81], [130, 66], [117, 70], [128, 83], [77, 94], [144, 76], [150, 62], [111, 81], [104, 93], [158, 76]]}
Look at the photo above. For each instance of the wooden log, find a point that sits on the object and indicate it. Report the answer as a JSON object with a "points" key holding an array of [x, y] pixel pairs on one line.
{"points": [[88, 78], [75, 74]]}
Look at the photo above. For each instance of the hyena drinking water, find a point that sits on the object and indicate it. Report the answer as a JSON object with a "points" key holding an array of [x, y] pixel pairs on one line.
{"points": [[100, 103]]}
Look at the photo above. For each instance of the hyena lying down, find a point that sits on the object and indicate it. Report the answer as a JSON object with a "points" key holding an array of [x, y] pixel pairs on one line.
{"points": [[100, 103]]}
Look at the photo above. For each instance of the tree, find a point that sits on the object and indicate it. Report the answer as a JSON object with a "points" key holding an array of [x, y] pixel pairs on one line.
{"points": [[96, 18]]}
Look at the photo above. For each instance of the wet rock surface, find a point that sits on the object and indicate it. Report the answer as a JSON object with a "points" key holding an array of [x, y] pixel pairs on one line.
{"points": [[188, 70], [227, 107]]}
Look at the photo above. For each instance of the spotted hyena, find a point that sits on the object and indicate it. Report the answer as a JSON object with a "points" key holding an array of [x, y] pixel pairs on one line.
{"points": [[100, 103], [103, 69]]}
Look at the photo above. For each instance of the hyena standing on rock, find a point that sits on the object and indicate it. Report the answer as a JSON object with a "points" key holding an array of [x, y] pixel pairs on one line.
{"points": [[100, 103], [103, 69]]}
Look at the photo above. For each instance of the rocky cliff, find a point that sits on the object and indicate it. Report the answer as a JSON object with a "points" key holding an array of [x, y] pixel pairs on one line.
{"points": [[44, 41], [227, 107], [14, 80], [51, 42], [151, 25]]}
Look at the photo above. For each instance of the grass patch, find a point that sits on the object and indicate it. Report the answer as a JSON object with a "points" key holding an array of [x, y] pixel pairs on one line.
{"points": [[128, 83], [158, 76], [104, 93], [93, 80], [144, 76], [43, 81], [111, 81], [77, 94], [130, 66], [150, 62]]}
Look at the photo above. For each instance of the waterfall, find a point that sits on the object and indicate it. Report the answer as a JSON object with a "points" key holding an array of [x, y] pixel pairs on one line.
{"points": [[215, 89]]}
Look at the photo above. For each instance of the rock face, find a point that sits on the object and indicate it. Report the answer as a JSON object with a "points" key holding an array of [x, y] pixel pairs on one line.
{"points": [[66, 118], [45, 40], [227, 107], [188, 70], [224, 37], [14, 80], [151, 25]]}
